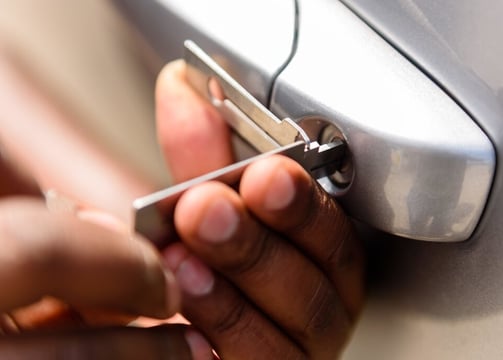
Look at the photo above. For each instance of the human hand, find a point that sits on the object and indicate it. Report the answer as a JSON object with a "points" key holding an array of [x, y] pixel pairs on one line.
{"points": [[62, 273], [271, 270]]}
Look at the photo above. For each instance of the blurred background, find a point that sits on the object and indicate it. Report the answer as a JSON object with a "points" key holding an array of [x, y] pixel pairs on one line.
{"points": [[82, 57]]}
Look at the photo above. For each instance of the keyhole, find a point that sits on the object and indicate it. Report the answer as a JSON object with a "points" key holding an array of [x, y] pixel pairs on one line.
{"points": [[343, 174], [339, 178]]}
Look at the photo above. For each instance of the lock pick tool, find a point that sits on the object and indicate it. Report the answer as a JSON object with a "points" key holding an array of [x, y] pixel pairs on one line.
{"points": [[259, 127]]}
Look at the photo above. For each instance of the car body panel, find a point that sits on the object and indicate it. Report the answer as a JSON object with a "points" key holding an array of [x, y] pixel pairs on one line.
{"points": [[422, 167], [426, 300], [252, 45], [433, 301]]}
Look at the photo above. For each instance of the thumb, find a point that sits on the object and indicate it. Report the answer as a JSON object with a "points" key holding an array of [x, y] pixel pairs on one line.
{"points": [[193, 136]]}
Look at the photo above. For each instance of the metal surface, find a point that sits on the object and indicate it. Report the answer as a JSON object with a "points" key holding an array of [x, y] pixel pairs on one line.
{"points": [[252, 40], [423, 169], [456, 42], [433, 301]]}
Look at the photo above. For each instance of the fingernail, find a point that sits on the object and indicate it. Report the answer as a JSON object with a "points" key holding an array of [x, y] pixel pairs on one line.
{"points": [[194, 277], [220, 222], [281, 191], [199, 347], [191, 274]]}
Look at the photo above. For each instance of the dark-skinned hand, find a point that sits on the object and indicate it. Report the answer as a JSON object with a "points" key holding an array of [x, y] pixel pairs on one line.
{"points": [[272, 270]]}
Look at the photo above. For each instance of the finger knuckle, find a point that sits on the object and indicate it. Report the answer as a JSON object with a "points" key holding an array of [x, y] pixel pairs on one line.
{"points": [[325, 317], [250, 260], [243, 326], [320, 312], [236, 320], [336, 256]]}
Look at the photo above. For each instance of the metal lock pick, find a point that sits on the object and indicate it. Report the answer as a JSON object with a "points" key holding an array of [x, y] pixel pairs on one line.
{"points": [[153, 214]]}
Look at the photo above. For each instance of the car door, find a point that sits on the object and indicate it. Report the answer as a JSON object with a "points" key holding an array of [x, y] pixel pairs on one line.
{"points": [[424, 132]]}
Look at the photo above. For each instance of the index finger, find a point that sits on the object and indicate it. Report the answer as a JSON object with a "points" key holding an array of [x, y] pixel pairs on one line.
{"points": [[193, 136], [83, 264]]}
